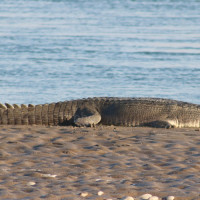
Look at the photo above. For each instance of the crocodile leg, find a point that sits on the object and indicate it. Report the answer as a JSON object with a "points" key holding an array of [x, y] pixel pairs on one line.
{"points": [[158, 124], [87, 117]]}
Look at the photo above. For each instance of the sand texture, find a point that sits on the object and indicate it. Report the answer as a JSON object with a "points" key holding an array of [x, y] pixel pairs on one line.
{"points": [[38, 162]]}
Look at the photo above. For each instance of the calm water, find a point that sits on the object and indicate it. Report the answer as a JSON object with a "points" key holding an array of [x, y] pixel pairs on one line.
{"points": [[52, 50]]}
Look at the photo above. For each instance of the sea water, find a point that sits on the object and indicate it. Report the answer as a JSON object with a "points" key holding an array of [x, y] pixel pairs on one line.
{"points": [[56, 50]]}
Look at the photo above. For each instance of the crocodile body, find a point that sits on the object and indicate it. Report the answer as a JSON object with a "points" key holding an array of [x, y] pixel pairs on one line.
{"points": [[153, 112]]}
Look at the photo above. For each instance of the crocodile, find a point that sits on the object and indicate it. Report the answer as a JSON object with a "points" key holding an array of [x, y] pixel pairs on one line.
{"points": [[153, 112]]}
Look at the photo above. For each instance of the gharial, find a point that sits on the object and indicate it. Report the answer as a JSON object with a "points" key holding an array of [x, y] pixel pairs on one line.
{"points": [[154, 112]]}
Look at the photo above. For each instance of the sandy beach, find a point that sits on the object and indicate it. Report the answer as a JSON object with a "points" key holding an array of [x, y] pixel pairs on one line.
{"points": [[38, 162]]}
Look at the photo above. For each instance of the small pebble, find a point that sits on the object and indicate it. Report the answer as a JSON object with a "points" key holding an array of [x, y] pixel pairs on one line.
{"points": [[49, 175], [100, 193], [127, 198], [31, 183], [170, 198], [145, 196], [84, 194], [153, 198]]}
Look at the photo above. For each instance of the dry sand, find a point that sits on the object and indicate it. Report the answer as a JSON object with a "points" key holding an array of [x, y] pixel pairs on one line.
{"points": [[38, 162]]}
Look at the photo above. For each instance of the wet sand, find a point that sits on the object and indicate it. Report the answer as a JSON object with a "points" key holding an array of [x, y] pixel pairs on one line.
{"points": [[38, 162]]}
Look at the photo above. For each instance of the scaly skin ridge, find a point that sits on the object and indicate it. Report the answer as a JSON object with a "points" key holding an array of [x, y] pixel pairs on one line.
{"points": [[107, 110]]}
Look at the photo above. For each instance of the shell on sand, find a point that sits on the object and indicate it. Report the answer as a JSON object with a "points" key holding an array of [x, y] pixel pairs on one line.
{"points": [[145, 196], [84, 194], [153, 198], [100, 193], [31, 183]]}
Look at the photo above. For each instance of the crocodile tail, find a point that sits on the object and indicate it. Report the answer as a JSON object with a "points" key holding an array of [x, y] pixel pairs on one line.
{"points": [[42, 114]]}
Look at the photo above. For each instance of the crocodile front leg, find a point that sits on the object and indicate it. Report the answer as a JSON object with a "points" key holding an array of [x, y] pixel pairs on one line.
{"points": [[87, 117]]}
